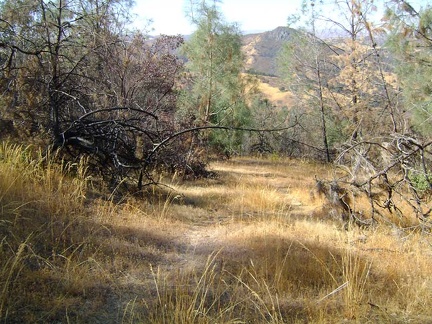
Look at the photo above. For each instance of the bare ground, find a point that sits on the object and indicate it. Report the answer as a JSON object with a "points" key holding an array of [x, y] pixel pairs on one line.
{"points": [[216, 209]]}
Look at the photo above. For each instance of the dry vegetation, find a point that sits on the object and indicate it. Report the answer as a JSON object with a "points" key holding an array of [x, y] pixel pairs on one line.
{"points": [[254, 245], [273, 89]]}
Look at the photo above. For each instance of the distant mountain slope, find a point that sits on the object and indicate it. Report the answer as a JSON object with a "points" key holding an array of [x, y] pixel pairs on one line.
{"points": [[261, 50]]}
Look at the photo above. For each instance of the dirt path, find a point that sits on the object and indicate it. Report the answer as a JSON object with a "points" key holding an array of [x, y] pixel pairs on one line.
{"points": [[244, 192]]}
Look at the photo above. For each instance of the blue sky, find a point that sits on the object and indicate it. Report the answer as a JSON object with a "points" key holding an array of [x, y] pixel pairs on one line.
{"points": [[169, 16]]}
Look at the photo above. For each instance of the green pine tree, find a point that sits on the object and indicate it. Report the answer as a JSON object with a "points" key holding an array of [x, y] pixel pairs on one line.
{"points": [[216, 93]]}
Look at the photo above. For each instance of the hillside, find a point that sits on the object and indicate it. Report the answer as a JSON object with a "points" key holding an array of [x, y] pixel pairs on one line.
{"points": [[273, 88], [261, 50]]}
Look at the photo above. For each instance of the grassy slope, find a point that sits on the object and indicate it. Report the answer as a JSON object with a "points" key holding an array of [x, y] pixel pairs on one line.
{"points": [[255, 244], [274, 94]]}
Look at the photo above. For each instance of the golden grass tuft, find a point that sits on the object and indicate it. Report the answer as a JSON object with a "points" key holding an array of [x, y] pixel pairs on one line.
{"points": [[40, 220]]}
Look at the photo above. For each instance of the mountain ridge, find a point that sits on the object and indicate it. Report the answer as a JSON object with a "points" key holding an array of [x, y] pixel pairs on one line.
{"points": [[261, 50]]}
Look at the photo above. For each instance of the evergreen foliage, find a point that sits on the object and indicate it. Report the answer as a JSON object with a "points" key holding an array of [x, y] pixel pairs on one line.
{"points": [[216, 93], [411, 41]]}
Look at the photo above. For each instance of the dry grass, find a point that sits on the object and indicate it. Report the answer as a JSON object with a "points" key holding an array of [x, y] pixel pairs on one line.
{"points": [[254, 245], [275, 95], [273, 89]]}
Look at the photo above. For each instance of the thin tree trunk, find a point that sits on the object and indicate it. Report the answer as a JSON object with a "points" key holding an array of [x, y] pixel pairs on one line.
{"points": [[322, 108]]}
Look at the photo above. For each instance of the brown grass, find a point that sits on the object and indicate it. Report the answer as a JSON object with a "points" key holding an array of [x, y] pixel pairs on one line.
{"points": [[275, 95], [254, 245]]}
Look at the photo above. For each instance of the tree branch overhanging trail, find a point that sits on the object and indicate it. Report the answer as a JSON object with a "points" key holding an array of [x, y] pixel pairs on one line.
{"points": [[199, 128]]}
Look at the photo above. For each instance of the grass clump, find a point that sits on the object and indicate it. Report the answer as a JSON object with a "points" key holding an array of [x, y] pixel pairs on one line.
{"points": [[253, 245], [43, 232]]}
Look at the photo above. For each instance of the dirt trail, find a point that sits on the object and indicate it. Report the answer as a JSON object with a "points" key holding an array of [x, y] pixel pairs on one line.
{"points": [[220, 208]]}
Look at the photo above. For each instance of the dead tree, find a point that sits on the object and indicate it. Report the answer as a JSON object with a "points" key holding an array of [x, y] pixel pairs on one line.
{"points": [[341, 202], [395, 177]]}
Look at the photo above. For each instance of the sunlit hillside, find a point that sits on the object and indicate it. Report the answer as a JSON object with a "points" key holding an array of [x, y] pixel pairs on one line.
{"points": [[272, 88], [261, 50]]}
